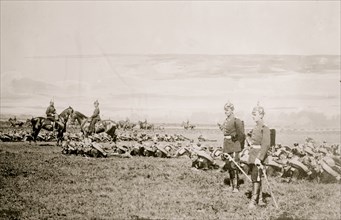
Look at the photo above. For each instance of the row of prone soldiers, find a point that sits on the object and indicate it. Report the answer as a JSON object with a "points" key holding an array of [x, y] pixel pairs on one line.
{"points": [[24, 135], [308, 161], [135, 136], [289, 163], [141, 136], [124, 149]]}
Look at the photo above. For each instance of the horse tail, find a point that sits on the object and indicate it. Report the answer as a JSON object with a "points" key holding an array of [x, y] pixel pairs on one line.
{"points": [[112, 131], [34, 121]]}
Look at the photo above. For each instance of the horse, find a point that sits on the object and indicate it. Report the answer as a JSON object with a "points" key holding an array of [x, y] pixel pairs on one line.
{"points": [[107, 126], [187, 125], [125, 125], [129, 125], [15, 123], [145, 125], [28, 123], [40, 122]]}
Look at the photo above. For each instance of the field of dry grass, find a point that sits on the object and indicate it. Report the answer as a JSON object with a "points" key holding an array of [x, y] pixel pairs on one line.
{"points": [[37, 182]]}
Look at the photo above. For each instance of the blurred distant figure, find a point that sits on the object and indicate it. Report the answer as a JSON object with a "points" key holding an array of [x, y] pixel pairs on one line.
{"points": [[94, 118]]}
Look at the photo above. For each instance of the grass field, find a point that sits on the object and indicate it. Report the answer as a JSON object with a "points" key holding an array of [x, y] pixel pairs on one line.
{"points": [[38, 182]]}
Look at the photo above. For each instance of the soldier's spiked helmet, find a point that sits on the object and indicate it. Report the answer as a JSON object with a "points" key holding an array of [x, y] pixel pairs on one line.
{"points": [[216, 153], [51, 101], [228, 105], [309, 150], [258, 109], [168, 147], [205, 155], [162, 149]]}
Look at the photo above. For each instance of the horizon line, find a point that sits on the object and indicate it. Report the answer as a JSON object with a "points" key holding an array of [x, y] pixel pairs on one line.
{"points": [[169, 54]]}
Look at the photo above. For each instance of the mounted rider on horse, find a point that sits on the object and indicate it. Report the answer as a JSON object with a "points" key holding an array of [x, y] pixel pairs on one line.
{"points": [[94, 118], [88, 125], [52, 122], [51, 115]]}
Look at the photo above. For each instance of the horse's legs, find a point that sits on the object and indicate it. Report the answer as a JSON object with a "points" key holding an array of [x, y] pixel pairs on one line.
{"points": [[59, 138], [36, 129]]}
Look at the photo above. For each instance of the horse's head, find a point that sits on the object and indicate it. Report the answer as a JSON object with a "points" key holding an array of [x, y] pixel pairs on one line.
{"points": [[73, 117], [66, 113], [70, 110]]}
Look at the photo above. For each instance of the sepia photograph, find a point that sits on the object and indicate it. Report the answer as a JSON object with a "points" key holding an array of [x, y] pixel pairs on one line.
{"points": [[170, 109]]}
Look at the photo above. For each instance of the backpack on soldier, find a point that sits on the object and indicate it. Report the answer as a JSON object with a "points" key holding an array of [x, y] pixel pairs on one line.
{"points": [[240, 132], [272, 137]]}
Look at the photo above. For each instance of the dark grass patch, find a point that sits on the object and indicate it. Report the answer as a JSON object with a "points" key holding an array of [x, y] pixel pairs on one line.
{"points": [[9, 214], [285, 216]]}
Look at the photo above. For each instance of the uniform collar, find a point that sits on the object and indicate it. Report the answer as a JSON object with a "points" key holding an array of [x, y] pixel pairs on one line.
{"points": [[230, 118], [260, 123]]}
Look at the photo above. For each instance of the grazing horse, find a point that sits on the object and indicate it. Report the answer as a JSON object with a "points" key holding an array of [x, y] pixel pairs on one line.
{"points": [[107, 126], [40, 122]]}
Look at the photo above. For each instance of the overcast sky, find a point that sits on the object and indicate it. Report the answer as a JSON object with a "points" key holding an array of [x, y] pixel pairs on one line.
{"points": [[73, 51]]}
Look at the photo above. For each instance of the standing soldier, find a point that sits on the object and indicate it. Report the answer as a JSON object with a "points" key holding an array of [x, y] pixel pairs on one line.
{"points": [[51, 114], [94, 118], [234, 137], [260, 144]]}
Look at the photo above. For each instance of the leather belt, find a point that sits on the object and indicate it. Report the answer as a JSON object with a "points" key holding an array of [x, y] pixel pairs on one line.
{"points": [[256, 146]]}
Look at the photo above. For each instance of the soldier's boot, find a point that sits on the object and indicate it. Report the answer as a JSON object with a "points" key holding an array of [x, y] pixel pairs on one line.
{"points": [[295, 175], [236, 182], [255, 195], [261, 201], [229, 181], [54, 128], [232, 179]]}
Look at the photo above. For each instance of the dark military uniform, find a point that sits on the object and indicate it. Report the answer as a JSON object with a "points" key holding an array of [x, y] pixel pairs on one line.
{"points": [[233, 129], [260, 144], [232, 142], [94, 119], [260, 138], [51, 112]]}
